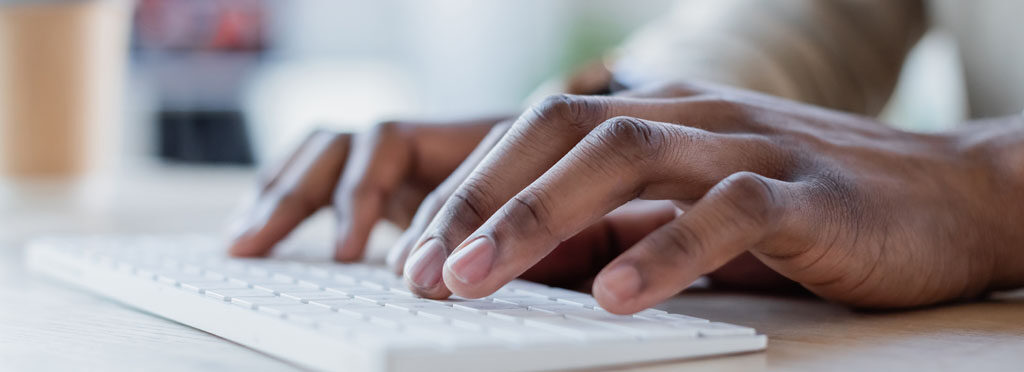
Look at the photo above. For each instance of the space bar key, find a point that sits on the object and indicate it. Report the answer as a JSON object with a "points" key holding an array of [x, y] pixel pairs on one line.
{"points": [[576, 329]]}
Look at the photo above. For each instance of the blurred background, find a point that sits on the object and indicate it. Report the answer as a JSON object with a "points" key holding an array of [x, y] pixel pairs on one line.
{"points": [[151, 115], [241, 81], [187, 97], [270, 71]]}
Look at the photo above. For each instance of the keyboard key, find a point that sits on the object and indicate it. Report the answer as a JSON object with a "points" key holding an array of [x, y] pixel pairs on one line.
{"points": [[635, 326], [315, 295], [253, 302], [484, 306], [393, 317], [533, 293], [227, 294], [557, 308], [524, 300], [414, 307], [580, 330], [279, 288], [281, 310], [353, 290], [452, 337], [520, 314], [722, 329], [460, 319], [200, 286], [678, 317], [336, 304], [671, 317], [382, 298], [588, 302], [526, 335]]}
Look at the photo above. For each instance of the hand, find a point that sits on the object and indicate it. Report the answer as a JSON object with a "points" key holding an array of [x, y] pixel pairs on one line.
{"points": [[384, 173], [394, 172], [855, 211]]}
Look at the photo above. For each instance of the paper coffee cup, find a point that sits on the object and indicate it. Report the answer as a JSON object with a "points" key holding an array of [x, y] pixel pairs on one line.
{"points": [[61, 74]]}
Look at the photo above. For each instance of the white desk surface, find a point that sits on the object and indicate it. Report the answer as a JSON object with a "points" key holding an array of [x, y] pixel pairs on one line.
{"points": [[45, 326]]}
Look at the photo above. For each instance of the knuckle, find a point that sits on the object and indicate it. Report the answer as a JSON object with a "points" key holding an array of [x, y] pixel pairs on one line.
{"points": [[677, 88], [528, 212], [725, 107], [364, 188], [469, 203], [350, 191], [386, 128], [576, 112], [387, 131], [751, 193], [631, 138], [337, 140], [678, 239]]}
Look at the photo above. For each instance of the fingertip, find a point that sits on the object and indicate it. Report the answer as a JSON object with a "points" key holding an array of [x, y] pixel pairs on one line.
{"points": [[422, 270], [469, 266], [247, 246], [237, 234], [617, 288], [350, 242], [347, 251], [425, 264]]}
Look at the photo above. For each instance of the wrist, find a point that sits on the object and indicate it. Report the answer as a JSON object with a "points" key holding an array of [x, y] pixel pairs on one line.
{"points": [[996, 146]]}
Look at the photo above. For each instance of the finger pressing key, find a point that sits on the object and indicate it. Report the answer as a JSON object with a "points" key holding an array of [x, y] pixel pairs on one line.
{"points": [[538, 139], [301, 188], [377, 164]]}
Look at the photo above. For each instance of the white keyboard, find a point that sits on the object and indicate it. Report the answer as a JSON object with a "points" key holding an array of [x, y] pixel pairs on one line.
{"points": [[355, 317]]}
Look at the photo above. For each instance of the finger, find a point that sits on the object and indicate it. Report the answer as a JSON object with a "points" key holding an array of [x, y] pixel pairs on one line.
{"points": [[391, 168], [269, 176], [378, 162], [300, 190], [623, 159], [535, 141], [432, 203], [666, 90], [736, 215]]}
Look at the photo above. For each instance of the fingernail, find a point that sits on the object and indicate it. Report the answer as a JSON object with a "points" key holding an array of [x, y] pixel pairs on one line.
{"points": [[622, 283], [424, 265], [472, 263]]}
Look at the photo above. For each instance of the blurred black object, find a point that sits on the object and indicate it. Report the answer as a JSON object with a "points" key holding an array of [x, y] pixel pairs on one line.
{"points": [[198, 55], [204, 137]]}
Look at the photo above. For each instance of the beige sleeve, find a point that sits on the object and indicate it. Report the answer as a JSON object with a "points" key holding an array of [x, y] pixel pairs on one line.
{"points": [[842, 54]]}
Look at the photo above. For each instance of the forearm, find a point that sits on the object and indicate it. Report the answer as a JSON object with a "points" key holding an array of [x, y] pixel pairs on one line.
{"points": [[838, 54]]}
